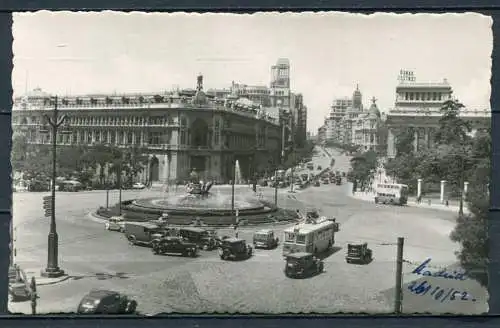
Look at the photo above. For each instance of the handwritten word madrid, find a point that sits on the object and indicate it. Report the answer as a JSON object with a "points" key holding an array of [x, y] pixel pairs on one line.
{"points": [[423, 270]]}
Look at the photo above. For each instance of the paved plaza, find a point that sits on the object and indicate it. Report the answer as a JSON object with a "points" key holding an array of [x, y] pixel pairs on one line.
{"points": [[96, 258]]}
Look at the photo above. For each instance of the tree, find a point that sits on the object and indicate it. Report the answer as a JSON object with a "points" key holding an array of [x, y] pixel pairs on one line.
{"points": [[134, 161], [69, 159], [404, 141], [382, 135], [101, 156], [19, 151], [363, 168], [471, 230]]}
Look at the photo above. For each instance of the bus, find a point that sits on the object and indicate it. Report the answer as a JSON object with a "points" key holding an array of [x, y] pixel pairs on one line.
{"points": [[311, 237], [391, 193]]}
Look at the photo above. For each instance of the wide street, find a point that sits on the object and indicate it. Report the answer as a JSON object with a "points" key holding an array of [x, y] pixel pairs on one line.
{"points": [[95, 258]]}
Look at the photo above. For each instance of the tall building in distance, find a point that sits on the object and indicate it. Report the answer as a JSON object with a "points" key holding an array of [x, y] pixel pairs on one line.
{"points": [[349, 123], [280, 83]]}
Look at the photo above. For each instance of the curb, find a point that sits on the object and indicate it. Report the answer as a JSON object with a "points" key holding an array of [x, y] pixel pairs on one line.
{"points": [[414, 205], [96, 217], [53, 282]]}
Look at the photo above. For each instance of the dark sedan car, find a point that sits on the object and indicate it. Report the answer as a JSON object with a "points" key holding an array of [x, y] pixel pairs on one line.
{"points": [[106, 302]]}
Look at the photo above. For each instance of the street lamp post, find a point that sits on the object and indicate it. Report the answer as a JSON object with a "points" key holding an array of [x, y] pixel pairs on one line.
{"points": [[53, 270], [232, 185]]}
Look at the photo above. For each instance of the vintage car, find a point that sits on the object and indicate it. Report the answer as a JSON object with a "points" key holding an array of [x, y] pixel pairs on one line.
{"points": [[174, 245], [115, 223], [198, 236], [316, 183], [138, 186], [301, 265], [143, 233], [358, 252], [265, 239], [106, 302], [325, 180], [235, 249], [219, 240], [19, 288]]}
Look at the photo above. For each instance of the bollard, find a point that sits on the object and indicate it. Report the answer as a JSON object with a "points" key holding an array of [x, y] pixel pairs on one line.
{"points": [[33, 295]]}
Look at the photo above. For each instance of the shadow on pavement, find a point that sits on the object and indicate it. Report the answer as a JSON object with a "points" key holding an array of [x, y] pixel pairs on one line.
{"points": [[101, 276], [329, 252]]}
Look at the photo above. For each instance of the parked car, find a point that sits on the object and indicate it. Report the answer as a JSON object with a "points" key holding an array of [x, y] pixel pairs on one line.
{"points": [[235, 249], [265, 239], [174, 245], [138, 185], [301, 265], [19, 288], [106, 302], [358, 253], [115, 223], [316, 183]]}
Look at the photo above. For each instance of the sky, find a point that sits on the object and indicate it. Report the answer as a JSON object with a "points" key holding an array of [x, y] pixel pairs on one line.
{"points": [[330, 53]]}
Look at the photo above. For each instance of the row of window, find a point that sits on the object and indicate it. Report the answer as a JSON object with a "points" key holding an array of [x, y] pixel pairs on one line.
{"points": [[425, 96]]}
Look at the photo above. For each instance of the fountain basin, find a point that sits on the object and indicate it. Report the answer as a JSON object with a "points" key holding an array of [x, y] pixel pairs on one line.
{"points": [[213, 210]]}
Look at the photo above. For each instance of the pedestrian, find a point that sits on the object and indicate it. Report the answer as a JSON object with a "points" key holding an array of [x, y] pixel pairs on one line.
{"points": [[33, 295]]}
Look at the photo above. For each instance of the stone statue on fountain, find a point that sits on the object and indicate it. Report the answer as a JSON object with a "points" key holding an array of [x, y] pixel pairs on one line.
{"points": [[197, 186]]}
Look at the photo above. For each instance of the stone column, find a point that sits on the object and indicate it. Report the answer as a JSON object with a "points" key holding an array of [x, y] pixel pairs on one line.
{"points": [[426, 136], [415, 140], [443, 184], [466, 187], [419, 188]]}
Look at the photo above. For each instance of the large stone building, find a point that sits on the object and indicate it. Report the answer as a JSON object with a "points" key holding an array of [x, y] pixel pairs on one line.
{"points": [[180, 131], [183, 129], [418, 106]]}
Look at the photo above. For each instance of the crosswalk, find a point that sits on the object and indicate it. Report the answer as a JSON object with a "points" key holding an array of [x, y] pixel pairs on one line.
{"points": [[291, 197]]}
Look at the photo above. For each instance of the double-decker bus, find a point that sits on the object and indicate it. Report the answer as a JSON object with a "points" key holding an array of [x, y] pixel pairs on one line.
{"points": [[391, 193], [311, 236]]}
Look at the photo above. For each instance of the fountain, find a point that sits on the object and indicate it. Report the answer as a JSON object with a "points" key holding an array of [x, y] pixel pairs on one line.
{"points": [[237, 173], [197, 201]]}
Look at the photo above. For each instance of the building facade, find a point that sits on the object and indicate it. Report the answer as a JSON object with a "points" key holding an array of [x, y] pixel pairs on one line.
{"points": [[418, 106], [349, 123], [179, 131]]}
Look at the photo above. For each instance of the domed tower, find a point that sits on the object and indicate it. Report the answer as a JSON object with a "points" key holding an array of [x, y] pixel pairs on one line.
{"points": [[357, 99]]}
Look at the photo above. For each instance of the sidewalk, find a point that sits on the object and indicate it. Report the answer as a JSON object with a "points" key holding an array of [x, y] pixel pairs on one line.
{"points": [[435, 204], [43, 281]]}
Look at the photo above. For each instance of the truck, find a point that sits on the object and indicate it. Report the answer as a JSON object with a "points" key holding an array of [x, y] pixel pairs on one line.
{"points": [[143, 233]]}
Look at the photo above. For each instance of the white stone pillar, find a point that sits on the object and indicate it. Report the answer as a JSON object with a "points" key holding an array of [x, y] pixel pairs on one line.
{"points": [[443, 184], [426, 136], [419, 188], [415, 140], [391, 151]]}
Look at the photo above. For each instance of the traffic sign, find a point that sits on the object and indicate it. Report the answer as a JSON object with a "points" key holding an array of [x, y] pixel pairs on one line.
{"points": [[47, 205], [47, 202]]}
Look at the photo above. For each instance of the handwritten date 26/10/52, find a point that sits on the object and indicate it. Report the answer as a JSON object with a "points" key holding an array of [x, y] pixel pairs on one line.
{"points": [[438, 293]]}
